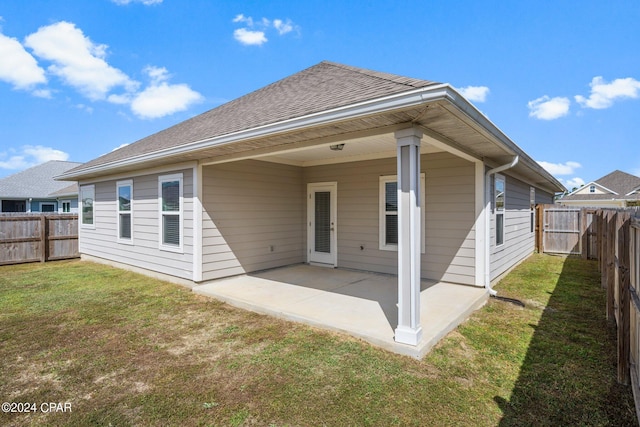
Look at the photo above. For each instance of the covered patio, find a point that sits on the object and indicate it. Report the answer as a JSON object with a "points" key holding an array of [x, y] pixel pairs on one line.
{"points": [[361, 304]]}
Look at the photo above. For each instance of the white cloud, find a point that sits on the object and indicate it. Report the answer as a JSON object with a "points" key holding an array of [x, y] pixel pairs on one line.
{"points": [[567, 168], [244, 19], [160, 99], [77, 60], [254, 32], [575, 182], [18, 67], [249, 38], [283, 27], [29, 155], [603, 94], [546, 108], [474, 93], [144, 2]]}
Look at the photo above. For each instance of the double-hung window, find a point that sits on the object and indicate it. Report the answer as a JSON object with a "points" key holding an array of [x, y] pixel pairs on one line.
{"points": [[170, 200], [388, 207], [125, 211], [532, 206], [87, 198], [500, 204]]}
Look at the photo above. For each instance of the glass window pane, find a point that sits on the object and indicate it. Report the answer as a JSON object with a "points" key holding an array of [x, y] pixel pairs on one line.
{"points": [[323, 222], [171, 230], [391, 229], [125, 226], [499, 195], [124, 198], [171, 196], [391, 196], [499, 229], [87, 205]]}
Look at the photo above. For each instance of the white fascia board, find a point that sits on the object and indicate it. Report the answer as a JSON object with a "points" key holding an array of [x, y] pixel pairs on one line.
{"points": [[378, 105], [597, 185], [467, 108]]}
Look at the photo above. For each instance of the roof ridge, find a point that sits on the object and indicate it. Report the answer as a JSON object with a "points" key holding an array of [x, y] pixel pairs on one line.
{"points": [[390, 77]]}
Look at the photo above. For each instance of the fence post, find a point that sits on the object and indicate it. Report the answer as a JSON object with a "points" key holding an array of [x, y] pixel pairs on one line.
{"points": [[623, 294], [43, 238], [610, 265]]}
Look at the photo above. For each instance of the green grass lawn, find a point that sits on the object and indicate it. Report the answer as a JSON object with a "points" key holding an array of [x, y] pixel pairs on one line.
{"points": [[123, 349]]}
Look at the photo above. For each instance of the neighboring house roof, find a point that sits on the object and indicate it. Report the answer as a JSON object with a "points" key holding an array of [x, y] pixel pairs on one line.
{"points": [[326, 100], [37, 181], [616, 185], [71, 190]]}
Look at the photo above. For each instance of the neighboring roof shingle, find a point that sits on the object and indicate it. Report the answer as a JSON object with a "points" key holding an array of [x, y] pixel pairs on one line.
{"points": [[620, 182], [324, 86], [37, 181]]}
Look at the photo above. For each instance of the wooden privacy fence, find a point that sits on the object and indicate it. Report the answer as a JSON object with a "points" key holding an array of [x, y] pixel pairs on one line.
{"points": [[38, 237], [566, 230], [618, 233]]}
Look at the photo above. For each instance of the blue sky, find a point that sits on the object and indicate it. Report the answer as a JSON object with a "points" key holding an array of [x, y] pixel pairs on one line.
{"points": [[80, 78]]}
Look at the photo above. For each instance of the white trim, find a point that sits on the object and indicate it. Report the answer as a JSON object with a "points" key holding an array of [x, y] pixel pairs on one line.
{"points": [[378, 105], [312, 257], [92, 225], [197, 223], [142, 172], [163, 246], [47, 204], [499, 178], [480, 224], [121, 184], [587, 185], [382, 245], [532, 208], [61, 205]]}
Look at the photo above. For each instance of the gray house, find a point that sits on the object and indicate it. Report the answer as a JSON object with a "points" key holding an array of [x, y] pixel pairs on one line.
{"points": [[615, 190], [334, 166], [36, 190]]}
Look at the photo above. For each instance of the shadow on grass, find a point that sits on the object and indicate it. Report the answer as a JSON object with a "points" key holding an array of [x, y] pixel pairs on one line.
{"points": [[568, 376]]}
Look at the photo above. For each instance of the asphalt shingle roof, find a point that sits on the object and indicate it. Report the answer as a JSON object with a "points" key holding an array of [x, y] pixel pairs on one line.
{"points": [[37, 181], [620, 182], [322, 87]]}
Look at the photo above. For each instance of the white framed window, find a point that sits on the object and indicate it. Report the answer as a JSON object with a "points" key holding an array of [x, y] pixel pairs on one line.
{"points": [[170, 206], [124, 203], [66, 206], [592, 189], [87, 199], [388, 213], [499, 192], [532, 206], [47, 207]]}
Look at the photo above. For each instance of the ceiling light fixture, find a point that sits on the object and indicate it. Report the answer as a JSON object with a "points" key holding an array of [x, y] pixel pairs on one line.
{"points": [[337, 147]]}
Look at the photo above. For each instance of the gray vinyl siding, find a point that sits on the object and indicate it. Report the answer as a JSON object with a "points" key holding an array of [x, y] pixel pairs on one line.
{"points": [[102, 241], [519, 241], [449, 215], [252, 217]]}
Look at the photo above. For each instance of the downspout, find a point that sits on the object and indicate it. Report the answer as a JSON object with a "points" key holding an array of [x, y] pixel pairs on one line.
{"points": [[487, 218]]}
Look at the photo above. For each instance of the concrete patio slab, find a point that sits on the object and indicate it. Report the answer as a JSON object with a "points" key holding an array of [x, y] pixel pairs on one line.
{"points": [[361, 304]]}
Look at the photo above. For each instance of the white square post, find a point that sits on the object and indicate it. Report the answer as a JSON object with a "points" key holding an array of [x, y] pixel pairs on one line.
{"points": [[409, 330]]}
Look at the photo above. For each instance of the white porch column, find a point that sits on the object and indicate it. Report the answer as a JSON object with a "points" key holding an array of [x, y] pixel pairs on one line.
{"points": [[409, 330]]}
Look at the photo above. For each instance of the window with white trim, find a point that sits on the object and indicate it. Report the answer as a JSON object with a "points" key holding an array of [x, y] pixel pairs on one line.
{"points": [[125, 211], [66, 206], [170, 201], [388, 212], [499, 206], [532, 207], [87, 199], [592, 189], [47, 207]]}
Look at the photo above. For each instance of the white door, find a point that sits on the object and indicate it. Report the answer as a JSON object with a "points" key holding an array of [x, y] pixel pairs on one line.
{"points": [[321, 223]]}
